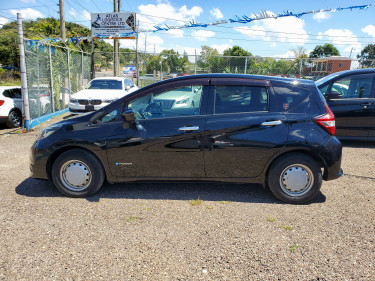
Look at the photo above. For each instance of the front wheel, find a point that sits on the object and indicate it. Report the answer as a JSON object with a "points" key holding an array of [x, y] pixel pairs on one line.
{"points": [[295, 178], [77, 173]]}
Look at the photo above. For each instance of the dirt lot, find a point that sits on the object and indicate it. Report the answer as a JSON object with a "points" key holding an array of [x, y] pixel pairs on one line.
{"points": [[154, 232]]}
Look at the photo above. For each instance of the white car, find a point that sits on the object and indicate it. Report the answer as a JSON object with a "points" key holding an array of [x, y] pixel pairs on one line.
{"points": [[99, 93], [11, 106]]}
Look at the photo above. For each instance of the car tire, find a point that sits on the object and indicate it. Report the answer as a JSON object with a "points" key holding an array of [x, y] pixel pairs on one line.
{"points": [[295, 178], [14, 119], [77, 173]]}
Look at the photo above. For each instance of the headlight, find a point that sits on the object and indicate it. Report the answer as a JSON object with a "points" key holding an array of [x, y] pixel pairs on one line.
{"points": [[48, 131], [73, 100], [182, 101]]}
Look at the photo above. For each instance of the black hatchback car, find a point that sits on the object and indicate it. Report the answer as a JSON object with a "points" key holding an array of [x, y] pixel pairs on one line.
{"points": [[351, 96], [220, 127]]}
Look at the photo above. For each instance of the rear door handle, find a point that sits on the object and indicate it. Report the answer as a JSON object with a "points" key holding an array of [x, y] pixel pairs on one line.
{"points": [[190, 128], [272, 123]]}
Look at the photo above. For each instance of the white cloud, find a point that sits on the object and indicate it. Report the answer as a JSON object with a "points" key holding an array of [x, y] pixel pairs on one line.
{"points": [[28, 13], [3, 21], [343, 39], [164, 13], [86, 15], [221, 48], [370, 30], [320, 36], [28, 1], [285, 29], [216, 13], [202, 35], [73, 12], [176, 33], [319, 17]]}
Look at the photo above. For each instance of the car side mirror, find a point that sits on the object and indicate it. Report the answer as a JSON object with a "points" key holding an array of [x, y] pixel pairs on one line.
{"points": [[128, 115], [127, 87], [333, 95]]}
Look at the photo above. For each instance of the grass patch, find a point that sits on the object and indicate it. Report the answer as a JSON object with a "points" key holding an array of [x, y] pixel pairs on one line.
{"points": [[132, 218], [195, 202], [293, 247], [287, 227], [224, 202], [271, 219]]}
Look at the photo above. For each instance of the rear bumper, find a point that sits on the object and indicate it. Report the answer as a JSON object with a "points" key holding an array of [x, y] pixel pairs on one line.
{"points": [[331, 155]]}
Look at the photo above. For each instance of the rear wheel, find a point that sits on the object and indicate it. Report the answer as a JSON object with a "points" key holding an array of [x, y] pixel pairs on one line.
{"points": [[14, 119], [295, 178], [77, 173]]}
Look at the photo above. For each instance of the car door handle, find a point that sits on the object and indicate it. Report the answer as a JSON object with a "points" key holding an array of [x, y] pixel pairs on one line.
{"points": [[190, 128], [272, 123]]}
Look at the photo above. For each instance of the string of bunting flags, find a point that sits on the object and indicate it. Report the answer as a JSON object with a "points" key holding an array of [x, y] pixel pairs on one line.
{"points": [[236, 19], [246, 19]]}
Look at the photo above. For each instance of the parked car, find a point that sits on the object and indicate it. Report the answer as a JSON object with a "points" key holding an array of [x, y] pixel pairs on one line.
{"points": [[11, 106], [351, 96], [276, 132], [148, 77], [169, 76], [99, 93]]}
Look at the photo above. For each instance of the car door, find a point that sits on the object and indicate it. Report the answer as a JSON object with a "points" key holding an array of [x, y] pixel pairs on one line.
{"points": [[353, 104], [243, 130], [166, 138]]}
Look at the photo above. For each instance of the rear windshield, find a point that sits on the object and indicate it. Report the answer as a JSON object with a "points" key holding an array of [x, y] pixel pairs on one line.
{"points": [[294, 99], [105, 85]]}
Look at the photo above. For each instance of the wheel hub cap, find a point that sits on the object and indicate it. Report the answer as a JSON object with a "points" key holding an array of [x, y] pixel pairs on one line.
{"points": [[75, 175], [296, 180]]}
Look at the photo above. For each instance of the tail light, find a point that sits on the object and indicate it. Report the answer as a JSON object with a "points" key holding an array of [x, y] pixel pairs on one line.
{"points": [[326, 121], [2, 102]]}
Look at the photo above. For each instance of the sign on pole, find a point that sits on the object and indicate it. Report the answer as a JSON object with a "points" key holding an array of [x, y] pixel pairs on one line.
{"points": [[113, 25]]}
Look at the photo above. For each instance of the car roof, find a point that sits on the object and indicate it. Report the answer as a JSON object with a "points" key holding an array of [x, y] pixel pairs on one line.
{"points": [[109, 78], [272, 79], [344, 73], [9, 87]]}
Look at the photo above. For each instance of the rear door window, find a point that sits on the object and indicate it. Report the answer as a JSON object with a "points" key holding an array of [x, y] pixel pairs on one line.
{"points": [[234, 99]]}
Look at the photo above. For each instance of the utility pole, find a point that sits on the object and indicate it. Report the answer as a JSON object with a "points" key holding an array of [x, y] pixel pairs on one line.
{"points": [[115, 45], [62, 19]]}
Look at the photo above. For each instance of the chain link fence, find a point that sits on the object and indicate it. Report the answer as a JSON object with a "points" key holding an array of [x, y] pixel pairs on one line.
{"points": [[53, 74], [156, 67]]}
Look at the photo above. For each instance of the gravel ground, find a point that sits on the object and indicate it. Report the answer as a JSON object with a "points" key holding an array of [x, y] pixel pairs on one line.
{"points": [[144, 231]]}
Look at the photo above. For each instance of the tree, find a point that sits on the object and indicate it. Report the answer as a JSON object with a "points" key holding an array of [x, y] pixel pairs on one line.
{"points": [[237, 65], [367, 56], [210, 61], [326, 50]]}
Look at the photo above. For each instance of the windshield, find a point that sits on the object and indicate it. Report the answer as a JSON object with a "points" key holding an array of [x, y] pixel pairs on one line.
{"points": [[325, 79], [105, 85]]}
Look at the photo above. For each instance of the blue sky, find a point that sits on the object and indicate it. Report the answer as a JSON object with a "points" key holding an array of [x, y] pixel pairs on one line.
{"points": [[349, 31]]}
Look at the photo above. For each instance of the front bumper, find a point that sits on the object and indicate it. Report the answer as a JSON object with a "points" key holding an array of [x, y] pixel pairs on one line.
{"points": [[79, 108], [38, 162]]}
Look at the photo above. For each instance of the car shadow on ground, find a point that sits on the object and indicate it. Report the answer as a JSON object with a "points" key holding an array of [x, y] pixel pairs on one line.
{"points": [[207, 191]]}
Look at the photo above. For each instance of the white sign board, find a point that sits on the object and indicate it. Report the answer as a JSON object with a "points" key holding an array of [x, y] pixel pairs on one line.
{"points": [[113, 25]]}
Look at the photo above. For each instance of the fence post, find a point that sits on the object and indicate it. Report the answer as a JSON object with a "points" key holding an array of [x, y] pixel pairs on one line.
{"points": [[82, 69], [300, 68], [69, 82], [195, 61], [25, 94], [245, 65], [51, 74]]}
